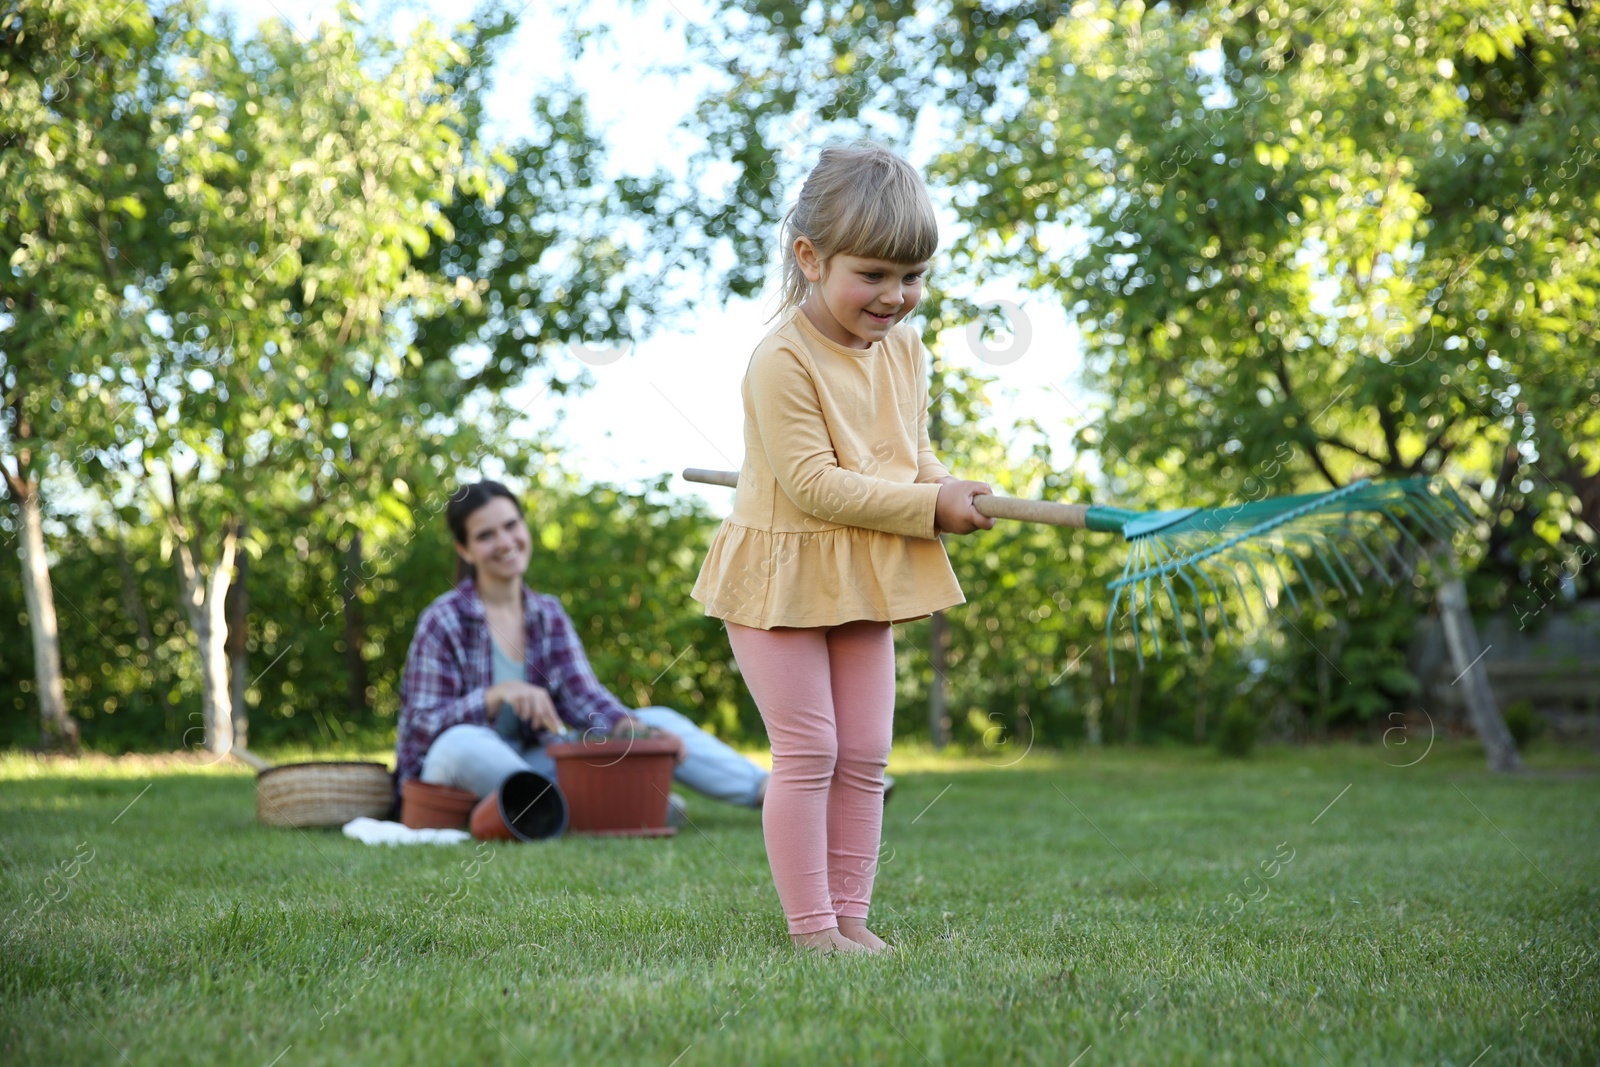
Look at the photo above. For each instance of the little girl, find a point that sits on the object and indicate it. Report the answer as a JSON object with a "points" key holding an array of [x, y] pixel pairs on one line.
{"points": [[834, 534]]}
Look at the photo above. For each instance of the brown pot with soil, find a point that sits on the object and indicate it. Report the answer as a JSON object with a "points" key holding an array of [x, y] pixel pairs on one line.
{"points": [[434, 807], [617, 786]]}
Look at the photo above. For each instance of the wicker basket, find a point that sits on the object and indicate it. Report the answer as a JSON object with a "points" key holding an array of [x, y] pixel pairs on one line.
{"points": [[323, 794]]}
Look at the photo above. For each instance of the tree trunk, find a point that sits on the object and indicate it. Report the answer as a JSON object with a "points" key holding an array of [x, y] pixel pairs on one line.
{"points": [[355, 628], [238, 613], [57, 728], [938, 655], [1466, 659], [205, 600]]}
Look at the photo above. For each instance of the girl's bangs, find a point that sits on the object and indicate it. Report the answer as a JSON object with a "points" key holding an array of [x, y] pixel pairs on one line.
{"points": [[897, 226]]}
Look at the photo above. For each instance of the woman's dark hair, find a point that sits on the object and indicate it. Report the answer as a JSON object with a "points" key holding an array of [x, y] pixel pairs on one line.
{"points": [[463, 502]]}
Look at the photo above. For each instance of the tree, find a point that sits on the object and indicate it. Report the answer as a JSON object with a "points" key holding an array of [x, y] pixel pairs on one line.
{"points": [[316, 329], [76, 185], [303, 179]]}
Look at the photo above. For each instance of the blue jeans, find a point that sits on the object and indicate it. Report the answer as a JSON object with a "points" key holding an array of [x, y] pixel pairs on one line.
{"points": [[479, 759]]}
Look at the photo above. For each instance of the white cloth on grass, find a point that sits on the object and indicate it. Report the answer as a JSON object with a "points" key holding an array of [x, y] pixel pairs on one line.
{"points": [[378, 832]]}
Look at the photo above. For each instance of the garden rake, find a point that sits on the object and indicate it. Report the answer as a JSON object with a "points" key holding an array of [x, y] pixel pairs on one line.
{"points": [[1317, 533]]}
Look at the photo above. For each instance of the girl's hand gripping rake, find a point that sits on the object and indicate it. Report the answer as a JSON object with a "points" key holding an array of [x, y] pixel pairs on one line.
{"points": [[1314, 532]]}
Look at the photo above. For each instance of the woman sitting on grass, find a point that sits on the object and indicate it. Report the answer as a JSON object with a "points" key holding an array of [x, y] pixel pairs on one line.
{"points": [[496, 671]]}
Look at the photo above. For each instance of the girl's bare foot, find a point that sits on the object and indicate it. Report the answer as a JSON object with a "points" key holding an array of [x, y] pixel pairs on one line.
{"points": [[856, 930], [826, 942]]}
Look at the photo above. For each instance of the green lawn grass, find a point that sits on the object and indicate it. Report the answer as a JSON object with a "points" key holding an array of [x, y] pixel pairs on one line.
{"points": [[1086, 908]]}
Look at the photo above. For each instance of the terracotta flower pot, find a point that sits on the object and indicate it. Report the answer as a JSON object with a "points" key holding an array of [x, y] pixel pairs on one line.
{"points": [[426, 807], [527, 807], [617, 786]]}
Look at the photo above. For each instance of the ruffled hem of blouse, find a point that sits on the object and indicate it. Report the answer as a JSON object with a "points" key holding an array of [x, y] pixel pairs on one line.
{"points": [[765, 578]]}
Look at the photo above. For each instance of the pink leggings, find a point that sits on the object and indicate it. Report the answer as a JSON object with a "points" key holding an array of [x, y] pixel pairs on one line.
{"points": [[827, 696]]}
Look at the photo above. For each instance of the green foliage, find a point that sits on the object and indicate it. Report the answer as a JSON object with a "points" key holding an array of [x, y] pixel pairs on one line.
{"points": [[277, 348], [1362, 243], [551, 251], [796, 76], [1347, 661], [79, 209], [1524, 722], [1238, 729], [622, 562], [128, 675]]}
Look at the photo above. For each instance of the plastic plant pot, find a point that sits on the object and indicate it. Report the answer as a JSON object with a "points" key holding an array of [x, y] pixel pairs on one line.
{"points": [[527, 807], [617, 786], [424, 806]]}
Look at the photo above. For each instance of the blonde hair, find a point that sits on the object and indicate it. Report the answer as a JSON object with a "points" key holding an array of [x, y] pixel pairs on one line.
{"points": [[862, 200]]}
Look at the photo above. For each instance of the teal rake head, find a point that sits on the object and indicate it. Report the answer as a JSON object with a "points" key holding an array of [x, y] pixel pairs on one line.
{"points": [[1321, 536]]}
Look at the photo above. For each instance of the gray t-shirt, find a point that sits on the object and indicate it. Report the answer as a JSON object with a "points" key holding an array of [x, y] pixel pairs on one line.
{"points": [[506, 669], [502, 719]]}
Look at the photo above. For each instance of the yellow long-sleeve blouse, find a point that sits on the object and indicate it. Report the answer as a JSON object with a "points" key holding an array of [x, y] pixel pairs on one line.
{"points": [[833, 519]]}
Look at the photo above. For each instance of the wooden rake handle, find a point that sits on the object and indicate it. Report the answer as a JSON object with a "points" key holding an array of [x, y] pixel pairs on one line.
{"points": [[996, 507]]}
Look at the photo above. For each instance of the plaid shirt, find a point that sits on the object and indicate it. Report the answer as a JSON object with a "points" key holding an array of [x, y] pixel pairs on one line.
{"points": [[451, 666]]}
